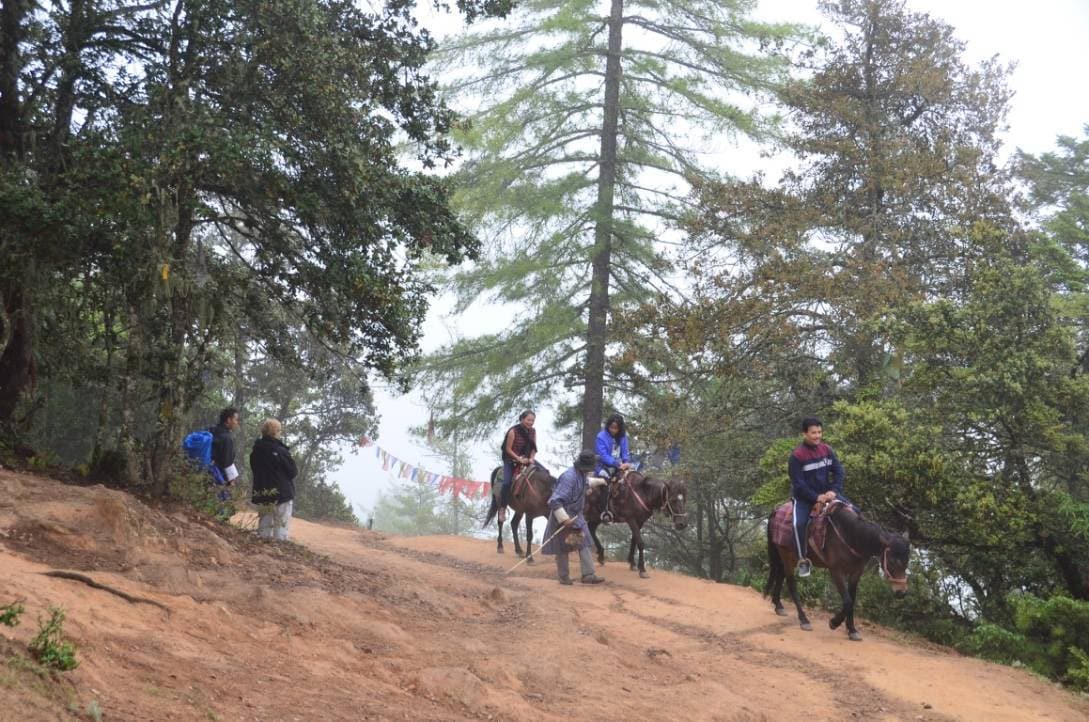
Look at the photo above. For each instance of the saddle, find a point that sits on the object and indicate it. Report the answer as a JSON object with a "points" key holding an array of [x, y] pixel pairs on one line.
{"points": [[607, 501], [521, 483], [782, 527]]}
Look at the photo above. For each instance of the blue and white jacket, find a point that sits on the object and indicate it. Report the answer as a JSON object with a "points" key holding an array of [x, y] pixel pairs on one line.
{"points": [[612, 452], [813, 471]]}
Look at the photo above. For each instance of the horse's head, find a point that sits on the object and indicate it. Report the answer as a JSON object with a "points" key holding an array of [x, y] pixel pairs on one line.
{"points": [[894, 562], [676, 494]]}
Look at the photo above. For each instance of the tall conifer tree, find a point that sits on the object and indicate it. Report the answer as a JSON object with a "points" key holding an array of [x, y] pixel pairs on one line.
{"points": [[586, 124]]}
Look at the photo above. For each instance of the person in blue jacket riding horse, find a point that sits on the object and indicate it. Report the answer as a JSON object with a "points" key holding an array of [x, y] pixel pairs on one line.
{"points": [[611, 447], [816, 476]]}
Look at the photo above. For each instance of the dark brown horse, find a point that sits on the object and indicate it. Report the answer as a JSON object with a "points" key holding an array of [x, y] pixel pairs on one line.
{"points": [[529, 494], [638, 498], [851, 542]]}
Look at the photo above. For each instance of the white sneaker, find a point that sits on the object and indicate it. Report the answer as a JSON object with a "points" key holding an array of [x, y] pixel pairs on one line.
{"points": [[804, 568]]}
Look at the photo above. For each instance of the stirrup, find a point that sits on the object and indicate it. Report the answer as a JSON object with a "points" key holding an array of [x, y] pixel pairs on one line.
{"points": [[606, 517], [804, 568]]}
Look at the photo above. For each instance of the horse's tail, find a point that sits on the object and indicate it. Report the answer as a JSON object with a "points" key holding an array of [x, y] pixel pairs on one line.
{"points": [[494, 509], [776, 570]]}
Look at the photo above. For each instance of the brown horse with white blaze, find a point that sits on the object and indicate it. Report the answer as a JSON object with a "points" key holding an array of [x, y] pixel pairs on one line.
{"points": [[851, 542], [638, 498]]}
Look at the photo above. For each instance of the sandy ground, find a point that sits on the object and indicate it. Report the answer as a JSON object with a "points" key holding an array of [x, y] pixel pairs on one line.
{"points": [[347, 624]]}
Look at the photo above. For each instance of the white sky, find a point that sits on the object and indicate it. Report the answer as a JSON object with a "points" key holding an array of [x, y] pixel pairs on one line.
{"points": [[1049, 41]]}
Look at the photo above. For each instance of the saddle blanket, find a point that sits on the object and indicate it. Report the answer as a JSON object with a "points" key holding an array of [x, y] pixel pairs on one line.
{"points": [[782, 528]]}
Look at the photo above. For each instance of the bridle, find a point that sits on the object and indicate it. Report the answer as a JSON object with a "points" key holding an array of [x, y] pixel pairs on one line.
{"points": [[666, 504], [883, 560], [885, 568]]}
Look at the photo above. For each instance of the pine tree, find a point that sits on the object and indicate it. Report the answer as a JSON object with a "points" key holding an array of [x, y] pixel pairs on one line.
{"points": [[583, 133], [897, 141]]}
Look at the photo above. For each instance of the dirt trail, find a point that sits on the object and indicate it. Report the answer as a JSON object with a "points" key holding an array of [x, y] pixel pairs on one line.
{"points": [[351, 625]]}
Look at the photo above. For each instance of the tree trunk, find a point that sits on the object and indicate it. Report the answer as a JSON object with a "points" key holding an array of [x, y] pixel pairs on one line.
{"points": [[594, 388], [16, 356], [16, 327], [129, 383], [12, 14]]}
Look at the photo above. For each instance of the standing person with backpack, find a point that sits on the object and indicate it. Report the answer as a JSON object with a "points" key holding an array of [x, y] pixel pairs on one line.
{"points": [[274, 473], [223, 457], [223, 443]]}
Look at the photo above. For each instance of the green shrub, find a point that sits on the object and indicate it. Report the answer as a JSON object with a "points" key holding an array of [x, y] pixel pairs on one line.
{"points": [[195, 488], [1050, 637], [9, 614], [49, 646], [924, 611]]}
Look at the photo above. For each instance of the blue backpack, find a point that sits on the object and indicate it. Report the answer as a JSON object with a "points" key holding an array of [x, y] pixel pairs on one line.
{"points": [[198, 447]]}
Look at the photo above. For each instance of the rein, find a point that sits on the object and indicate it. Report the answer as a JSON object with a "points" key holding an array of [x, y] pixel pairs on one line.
{"points": [[524, 478], [631, 486], [666, 504], [888, 574], [883, 559], [669, 506]]}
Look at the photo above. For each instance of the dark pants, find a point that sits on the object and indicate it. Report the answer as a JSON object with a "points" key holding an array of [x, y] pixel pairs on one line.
{"points": [[801, 526], [508, 477]]}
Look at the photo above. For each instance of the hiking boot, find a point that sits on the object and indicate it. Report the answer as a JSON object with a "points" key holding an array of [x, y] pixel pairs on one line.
{"points": [[592, 579], [566, 580], [804, 568]]}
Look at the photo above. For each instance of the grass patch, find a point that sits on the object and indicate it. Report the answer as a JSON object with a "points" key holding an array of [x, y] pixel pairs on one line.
{"points": [[49, 646], [9, 614]]}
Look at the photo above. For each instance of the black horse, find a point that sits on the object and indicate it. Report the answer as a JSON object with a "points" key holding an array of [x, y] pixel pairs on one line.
{"points": [[851, 543], [529, 494], [638, 498]]}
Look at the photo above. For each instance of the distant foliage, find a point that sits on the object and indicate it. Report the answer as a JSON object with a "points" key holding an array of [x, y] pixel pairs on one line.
{"points": [[1049, 636]]}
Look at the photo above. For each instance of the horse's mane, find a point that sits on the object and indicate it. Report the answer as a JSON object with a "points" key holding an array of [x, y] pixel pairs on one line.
{"points": [[867, 533]]}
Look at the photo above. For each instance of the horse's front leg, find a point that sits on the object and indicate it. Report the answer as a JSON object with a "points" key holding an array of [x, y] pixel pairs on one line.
{"points": [[597, 542], [637, 539], [514, 532], [529, 539], [852, 589], [848, 603], [792, 585], [775, 579], [499, 544]]}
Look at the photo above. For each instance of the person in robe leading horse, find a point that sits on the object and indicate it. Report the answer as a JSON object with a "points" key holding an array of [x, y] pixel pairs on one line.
{"points": [[567, 503]]}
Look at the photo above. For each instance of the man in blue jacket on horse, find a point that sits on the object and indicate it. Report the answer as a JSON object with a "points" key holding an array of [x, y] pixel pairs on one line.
{"points": [[816, 477]]}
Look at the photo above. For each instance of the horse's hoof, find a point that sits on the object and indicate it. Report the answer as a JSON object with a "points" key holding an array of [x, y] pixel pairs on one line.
{"points": [[854, 636], [807, 627], [529, 560], [644, 575], [780, 611], [833, 624], [633, 567]]}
